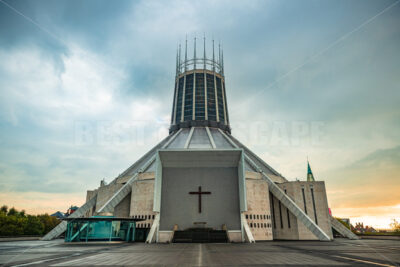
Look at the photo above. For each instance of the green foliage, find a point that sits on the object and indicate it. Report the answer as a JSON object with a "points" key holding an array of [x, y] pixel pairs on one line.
{"points": [[15, 223], [12, 212], [48, 222], [395, 226], [344, 223], [4, 209]]}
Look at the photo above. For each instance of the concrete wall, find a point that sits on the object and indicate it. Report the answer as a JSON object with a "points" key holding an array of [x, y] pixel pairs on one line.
{"points": [[284, 223], [258, 207], [137, 204], [142, 196], [298, 230], [89, 195], [235, 236], [104, 193], [122, 210], [218, 208]]}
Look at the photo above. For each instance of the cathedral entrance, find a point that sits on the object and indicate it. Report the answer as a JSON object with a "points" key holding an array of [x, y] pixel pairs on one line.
{"points": [[199, 195], [200, 235]]}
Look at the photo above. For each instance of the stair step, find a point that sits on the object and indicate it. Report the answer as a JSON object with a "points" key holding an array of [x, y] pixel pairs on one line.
{"points": [[200, 236]]}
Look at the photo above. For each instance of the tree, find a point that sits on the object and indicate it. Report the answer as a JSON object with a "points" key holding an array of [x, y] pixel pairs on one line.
{"points": [[4, 209], [49, 222], [12, 212], [33, 226], [17, 223], [12, 225], [22, 213], [395, 226]]}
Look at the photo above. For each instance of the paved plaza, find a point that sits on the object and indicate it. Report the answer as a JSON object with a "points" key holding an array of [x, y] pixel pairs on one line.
{"points": [[341, 252]]}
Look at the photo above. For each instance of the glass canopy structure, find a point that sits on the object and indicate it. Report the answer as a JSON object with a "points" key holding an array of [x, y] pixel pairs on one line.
{"points": [[100, 228]]}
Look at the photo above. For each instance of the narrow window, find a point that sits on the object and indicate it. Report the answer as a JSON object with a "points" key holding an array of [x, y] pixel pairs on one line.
{"points": [[273, 209], [251, 225], [304, 200], [247, 216], [287, 213], [180, 99], [280, 213], [313, 202]]}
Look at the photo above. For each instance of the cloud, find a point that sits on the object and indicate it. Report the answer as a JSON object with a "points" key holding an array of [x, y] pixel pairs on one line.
{"points": [[43, 106], [372, 181], [110, 67]]}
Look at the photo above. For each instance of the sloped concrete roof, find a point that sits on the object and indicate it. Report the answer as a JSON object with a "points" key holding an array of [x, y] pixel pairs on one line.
{"points": [[201, 138]]}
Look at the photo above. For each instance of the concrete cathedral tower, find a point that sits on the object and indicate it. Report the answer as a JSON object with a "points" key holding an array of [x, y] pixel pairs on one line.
{"points": [[199, 97], [201, 184]]}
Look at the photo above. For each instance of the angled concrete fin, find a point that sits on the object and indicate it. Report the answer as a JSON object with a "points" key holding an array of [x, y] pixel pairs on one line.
{"points": [[343, 230], [119, 195], [291, 206], [61, 227], [153, 231], [278, 193], [127, 187], [247, 232]]}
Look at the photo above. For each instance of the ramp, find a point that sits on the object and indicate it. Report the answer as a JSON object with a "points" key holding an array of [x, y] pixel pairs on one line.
{"points": [[61, 227], [343, 230]]}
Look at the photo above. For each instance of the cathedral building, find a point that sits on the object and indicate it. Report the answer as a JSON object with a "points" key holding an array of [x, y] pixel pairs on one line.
{"points": [[201, 184]]}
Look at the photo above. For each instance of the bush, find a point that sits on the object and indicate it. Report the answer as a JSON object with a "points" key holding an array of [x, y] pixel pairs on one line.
{"points": [[15, 223]]}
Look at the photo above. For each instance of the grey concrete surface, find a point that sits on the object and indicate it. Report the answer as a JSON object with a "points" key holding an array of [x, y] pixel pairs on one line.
{"points": [[341, 252]]}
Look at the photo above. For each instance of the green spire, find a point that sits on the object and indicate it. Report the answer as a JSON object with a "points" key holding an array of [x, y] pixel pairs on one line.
{"points": [[310, 176]]}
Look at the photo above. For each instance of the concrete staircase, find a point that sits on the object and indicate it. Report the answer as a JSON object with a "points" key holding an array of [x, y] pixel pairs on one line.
{"points": [[343, 230], [200, 236], [61, 227]]}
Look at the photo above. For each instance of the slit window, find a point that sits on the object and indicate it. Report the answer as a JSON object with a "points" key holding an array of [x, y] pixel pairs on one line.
{"points": [[313, 202], [304, 200], [280, 213]]}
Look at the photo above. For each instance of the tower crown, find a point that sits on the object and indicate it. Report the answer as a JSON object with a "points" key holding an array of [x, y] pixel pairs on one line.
{"points": [[199, 96]]}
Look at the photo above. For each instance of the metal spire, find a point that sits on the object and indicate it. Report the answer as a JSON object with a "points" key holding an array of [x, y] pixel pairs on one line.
{"points": [[204, 53], [186, 54], [222, 61], [194, 54], [213, 57], [219, 56], [179, 59], [176, 73]]}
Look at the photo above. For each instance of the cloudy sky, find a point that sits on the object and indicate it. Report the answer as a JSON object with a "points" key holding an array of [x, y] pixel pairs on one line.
{"points": [[86, 88]]}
